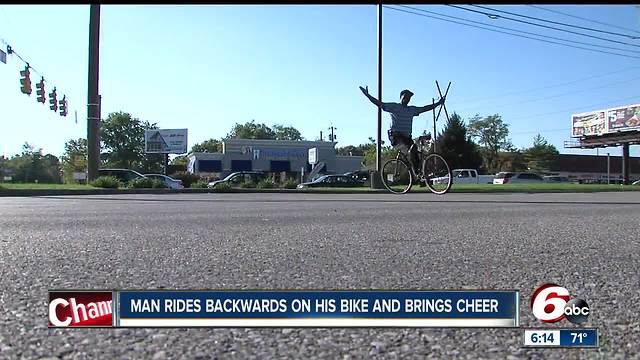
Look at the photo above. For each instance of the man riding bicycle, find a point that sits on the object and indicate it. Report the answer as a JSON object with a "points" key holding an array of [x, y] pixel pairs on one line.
{"points": [[402, 121]]}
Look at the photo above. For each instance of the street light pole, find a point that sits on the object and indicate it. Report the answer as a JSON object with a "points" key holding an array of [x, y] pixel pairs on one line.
{"points": [[379, 142], [608, 170], [376, 178]]}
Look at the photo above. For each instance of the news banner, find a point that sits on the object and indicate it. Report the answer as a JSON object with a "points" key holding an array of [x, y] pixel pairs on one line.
{"points": [[320, 309]]}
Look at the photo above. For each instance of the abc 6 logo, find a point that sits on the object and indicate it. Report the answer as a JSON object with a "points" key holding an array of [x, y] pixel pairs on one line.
{"points": [[550, 303]]}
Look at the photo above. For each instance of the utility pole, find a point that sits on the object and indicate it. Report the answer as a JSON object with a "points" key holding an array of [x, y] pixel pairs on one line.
{"points": [[93, 99], [321, 135]]}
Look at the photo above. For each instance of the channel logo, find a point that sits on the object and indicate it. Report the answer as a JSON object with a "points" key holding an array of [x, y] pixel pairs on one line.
{"points": [[80, 309], [551, 303]]}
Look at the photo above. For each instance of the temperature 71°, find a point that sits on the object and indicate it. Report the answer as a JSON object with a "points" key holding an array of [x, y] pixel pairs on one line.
{"points": [[578, 336]]}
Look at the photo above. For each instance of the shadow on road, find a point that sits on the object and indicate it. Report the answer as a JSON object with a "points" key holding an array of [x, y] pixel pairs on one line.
{"points": [[398, 199]]}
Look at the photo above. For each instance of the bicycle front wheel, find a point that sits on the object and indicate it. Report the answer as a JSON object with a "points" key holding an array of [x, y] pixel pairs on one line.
{"points": [[397, 176], [437, 174]]}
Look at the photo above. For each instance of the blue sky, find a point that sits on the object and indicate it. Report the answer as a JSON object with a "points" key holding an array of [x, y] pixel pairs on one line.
{"points": [[207, 67]]}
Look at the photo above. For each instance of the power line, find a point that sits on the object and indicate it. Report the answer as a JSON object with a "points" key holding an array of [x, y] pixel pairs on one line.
{"points": [[581, 108], [633, 37], [539, 131], [503, 32], [585, 19], [524, 32], [494, 16], [562, 94], [551, 86]]}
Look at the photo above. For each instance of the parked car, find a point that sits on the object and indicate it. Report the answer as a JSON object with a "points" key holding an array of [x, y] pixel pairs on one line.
{"points": [[637, 182], [466, 176], [362, 175], [169, 182], [124, 175], [237, 178], [333, 181], [553, 178], [517, 178]]}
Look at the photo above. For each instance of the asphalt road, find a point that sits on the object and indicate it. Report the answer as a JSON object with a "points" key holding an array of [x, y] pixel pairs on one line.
{"points": [[588, 243]]}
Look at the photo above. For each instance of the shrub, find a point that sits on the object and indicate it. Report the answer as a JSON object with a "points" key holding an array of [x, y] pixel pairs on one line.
{"points": [[223, 187], [107, 182], [141, 183], [248, 185], [187, 178], [290, 184], [200, 184], [266, 184], [158, 184]]}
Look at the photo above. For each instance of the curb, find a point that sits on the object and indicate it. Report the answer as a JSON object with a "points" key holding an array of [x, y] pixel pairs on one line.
{"points": [[60, 192]]}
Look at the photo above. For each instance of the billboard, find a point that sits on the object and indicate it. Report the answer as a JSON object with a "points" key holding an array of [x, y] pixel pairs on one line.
{"points": [[590, 123], [165, 141], [624, 118], [608, 121]]}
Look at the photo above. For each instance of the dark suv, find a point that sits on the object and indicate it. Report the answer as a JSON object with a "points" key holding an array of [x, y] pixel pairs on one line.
{"points": [[124, 175]]}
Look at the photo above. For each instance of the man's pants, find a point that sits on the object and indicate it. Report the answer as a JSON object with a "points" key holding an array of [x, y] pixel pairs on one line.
{"points": [[403, 143]]}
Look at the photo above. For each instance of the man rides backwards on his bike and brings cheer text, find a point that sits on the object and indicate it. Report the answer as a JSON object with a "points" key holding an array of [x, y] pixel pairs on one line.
{"points": [[402, 120]]}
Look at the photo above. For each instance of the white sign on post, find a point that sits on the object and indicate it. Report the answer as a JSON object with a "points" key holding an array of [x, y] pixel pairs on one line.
{"points": [[165, 141], [313, 156], [79, 176]]}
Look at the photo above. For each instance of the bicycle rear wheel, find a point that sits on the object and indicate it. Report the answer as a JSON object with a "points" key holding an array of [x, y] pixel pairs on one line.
{"points": [[437, 174], [397, 176]]}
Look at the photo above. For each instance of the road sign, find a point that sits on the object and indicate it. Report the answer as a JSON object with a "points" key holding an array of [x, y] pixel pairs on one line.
{"points": [[165, 141], [313, 156]]}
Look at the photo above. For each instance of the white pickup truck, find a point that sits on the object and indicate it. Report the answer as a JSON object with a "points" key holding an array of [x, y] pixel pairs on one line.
{"points": [[468, 176]]}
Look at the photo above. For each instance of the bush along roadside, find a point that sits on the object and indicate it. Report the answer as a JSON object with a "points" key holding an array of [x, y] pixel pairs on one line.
{"points": [[188, 179], [266, 184], [200, 184], [141, 183], [107, 182], [290, 184]]}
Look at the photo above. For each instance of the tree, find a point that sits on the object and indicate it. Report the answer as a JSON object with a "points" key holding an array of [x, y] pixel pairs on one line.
{"points": [[181, 160], [359, 150], [286, 133], [251, 130], [74, 158], [388, 152], [541, 155], [512, 160], [209, 146], [122, 137], [492, 133], [31, 165], [457, 147]]}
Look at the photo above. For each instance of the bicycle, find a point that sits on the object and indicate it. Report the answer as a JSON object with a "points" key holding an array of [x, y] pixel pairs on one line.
{"points": [[398, 175]]}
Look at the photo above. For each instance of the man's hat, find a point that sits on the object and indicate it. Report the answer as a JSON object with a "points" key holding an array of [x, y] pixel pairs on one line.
{"points": [[403, 92]]}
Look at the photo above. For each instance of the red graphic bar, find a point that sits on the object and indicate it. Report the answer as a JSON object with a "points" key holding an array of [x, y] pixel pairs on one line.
{"points": [[80, 309]]}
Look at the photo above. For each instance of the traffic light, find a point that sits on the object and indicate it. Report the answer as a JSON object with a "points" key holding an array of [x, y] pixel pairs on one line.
{"points": [[53, 100], [63, 106], [25, 81], [40, 91]]}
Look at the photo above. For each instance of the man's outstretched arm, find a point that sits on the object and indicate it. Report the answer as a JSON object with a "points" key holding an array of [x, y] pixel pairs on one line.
{"points": [[365, 91], [430, 107]]}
